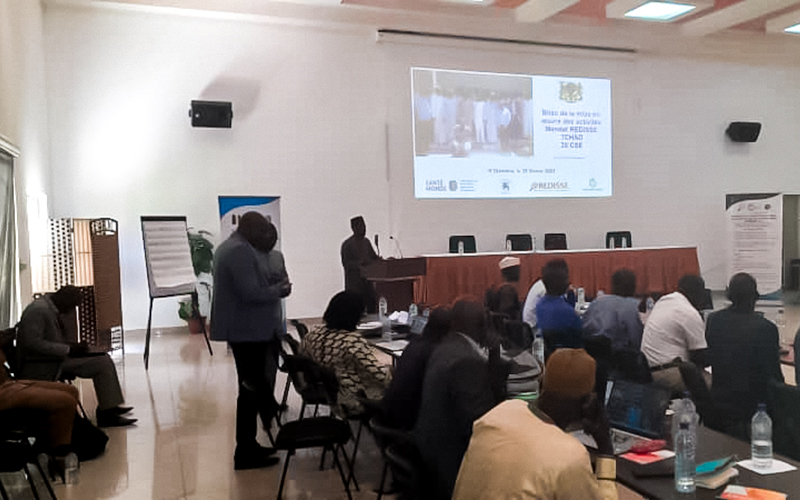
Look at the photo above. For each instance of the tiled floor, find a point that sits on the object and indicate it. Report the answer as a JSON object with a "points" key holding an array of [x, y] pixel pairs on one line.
{"points": [[182, 446]]}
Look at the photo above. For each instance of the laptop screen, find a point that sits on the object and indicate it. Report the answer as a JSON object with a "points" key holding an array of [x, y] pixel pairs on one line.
{"points": [[637, 408]]}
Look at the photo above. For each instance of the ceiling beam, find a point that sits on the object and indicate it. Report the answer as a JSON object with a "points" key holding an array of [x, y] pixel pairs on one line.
{"points": [[778, 24], [534, 11], [736, 14]]}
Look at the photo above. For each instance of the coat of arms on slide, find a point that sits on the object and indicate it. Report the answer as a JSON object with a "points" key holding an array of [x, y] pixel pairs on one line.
{"points": [[571, 92]]}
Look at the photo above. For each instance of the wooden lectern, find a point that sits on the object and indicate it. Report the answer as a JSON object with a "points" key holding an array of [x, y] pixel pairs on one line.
{"points": [[394, 280]]}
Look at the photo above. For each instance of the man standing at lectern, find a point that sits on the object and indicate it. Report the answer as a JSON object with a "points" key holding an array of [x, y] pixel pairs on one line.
{"points": [[357, 253]]}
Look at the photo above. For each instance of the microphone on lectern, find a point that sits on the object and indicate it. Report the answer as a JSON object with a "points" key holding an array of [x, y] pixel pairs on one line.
{"points": [[377, 247], [397, 245]]}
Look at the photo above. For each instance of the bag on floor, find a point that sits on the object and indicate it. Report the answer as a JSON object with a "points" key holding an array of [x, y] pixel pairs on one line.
{"points": [[88, 441]]}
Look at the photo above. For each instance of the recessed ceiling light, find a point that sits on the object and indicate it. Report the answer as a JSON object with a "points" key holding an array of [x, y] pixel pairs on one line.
{"points": [[793, 29], [659, 11]]}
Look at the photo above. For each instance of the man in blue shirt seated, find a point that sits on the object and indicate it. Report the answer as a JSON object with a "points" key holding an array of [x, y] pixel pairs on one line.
{"points": [[560, 324], [616, 316]]}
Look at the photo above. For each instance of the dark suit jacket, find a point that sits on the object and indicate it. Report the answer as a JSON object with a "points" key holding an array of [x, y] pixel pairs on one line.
{"points": [[247, 302], [744, 352], [456, 391], [402, 398], [41, 346]]}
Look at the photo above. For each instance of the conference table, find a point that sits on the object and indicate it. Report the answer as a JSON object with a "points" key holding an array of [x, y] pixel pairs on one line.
{"points": [[449, 276], [712, 445]]}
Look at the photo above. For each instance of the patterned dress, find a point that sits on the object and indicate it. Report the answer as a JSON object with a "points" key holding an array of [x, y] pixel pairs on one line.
{"points": [[352, 359]]}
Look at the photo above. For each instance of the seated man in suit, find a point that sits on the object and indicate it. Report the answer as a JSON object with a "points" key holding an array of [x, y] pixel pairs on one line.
{"points": [[675, 332], [41, 338], [616, 315], [555, 317], [744, 351], [520, 450], [460, 385], [402, 398]]}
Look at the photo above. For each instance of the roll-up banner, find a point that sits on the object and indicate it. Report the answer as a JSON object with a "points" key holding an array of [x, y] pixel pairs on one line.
{"points": [[231, 208], [755, 239]]}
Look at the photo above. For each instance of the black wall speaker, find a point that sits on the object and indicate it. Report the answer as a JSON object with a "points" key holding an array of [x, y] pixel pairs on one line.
{"points": [[743, 131], [217, 114]]}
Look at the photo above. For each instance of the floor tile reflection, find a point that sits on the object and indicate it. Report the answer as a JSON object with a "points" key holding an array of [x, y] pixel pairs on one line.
{"points": [[182, 446]]}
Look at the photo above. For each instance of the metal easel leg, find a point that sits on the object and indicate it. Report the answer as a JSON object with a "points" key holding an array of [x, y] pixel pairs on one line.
{"points": [[147, 337]]}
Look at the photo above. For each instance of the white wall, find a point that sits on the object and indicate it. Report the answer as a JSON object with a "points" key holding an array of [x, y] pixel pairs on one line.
{"points": [[311, 107], [23, 115]]}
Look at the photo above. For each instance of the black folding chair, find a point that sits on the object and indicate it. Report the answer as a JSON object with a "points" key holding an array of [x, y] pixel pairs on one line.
{"points": [[309, 394], [17, 452], [328, 432], [385, 437], [784, 407], [618, 239], [519, 242], [555, 241]]}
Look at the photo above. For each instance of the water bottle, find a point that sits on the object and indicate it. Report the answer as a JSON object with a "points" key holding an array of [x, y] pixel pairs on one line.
{"points": [[386, 329], [383, 307], [71, 469], [761, 439], [685, 442], [581, 302], [508, 245], [650, 303], [383, 317], [684, 411], [413, 312], [461, 247], [538, 347]]}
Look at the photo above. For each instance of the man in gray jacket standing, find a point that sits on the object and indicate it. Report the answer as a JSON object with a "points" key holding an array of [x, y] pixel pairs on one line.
{"points": [[250, 280]]}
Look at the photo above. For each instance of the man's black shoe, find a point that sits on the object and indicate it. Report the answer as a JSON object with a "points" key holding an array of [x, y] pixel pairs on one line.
{"points": [[118, 410], [105, 419], [254, 462]]}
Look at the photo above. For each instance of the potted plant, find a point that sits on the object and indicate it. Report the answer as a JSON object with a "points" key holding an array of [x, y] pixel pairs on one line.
{"points": [[202, 250]]}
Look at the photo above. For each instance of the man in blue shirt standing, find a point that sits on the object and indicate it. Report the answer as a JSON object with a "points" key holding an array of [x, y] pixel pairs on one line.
{"points": [[555, 317]]}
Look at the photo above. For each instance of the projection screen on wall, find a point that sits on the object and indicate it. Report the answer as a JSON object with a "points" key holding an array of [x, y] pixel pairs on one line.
{"points": [[494, 135]]}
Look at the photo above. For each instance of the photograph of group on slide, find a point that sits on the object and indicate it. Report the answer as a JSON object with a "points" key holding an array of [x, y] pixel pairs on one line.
{"points": [[460, 113]]}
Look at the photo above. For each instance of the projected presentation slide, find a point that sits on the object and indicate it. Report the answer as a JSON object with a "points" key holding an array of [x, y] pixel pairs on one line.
{"points": [[491, 135]]}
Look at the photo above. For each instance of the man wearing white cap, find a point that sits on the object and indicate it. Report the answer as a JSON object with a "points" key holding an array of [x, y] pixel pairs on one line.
{"points": [[505, 299]]}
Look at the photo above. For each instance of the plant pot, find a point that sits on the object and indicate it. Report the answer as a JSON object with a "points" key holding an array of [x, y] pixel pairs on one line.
{"points": [[195, 325]]}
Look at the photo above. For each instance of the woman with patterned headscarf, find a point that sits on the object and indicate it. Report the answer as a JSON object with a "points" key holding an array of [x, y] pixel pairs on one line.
{"points": [[336, 346]]}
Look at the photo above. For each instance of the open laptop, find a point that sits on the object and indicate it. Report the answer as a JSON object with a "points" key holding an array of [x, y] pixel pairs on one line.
{"points": [[635, 412]]}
